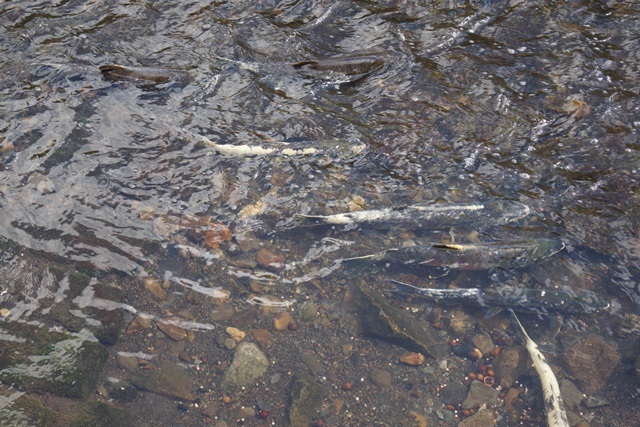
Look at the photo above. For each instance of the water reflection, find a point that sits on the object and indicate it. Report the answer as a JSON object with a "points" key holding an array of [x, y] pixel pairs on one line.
{"points": [[522, 101]]}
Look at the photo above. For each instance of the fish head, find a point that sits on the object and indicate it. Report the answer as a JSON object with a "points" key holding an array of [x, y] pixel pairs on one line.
{"points": [[513, 211]]}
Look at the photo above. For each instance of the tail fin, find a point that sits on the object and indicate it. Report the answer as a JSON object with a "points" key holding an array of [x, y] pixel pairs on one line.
{"points": [[358, 264], [403, 288]]}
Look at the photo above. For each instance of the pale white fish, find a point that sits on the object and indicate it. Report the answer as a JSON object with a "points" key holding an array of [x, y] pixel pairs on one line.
{"points": [[553, 404], [264, 301]]}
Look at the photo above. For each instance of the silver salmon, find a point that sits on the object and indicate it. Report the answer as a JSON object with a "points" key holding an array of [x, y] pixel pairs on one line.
{"points": [[522, 300], [151, 74], [427, 216], [481, 256], [553, 403]]}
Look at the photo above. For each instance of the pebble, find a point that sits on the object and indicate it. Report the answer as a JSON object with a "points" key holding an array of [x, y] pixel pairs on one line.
{"points": [[236, 334], [248, 365], [174, 332], [483, 342], [570, 394], [482, 418], [155, 287], [223, 312], [595, 402], [230, 343], [454, 393], [129, 363], [269, 260], [460, 322], [380, 377], [509, 365], [413, 359], [138, 324], [281, 321], [263, 337], [308, 311], [312, 362]]}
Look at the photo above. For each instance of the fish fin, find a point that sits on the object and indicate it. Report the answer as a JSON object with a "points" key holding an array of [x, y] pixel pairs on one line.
{"points": [[492, 312], [403, 288], [303, 63]]}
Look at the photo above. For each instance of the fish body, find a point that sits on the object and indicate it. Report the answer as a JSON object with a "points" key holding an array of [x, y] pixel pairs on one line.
{"points": [[433, 216], [480, 256], [151, 74], [553, 403], [348, 65], [519, 299]]}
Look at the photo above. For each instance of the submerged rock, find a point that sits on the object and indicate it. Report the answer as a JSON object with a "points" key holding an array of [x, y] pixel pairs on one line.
{"points": [[509, 364], [591, 361], [249, 364], [171, 381], [54, 362], [382, 319], [482, 418], [22, 410], [307, 397], [480, 394]]}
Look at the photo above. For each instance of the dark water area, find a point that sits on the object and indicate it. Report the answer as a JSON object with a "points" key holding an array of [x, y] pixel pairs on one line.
{"points": [[176, 201]]}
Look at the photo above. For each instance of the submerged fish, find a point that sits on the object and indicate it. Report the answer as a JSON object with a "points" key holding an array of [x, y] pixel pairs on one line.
{"points": [[475, 256], [434, 216], [553, 403], [519, 299], [349, 65], [151, 74]]}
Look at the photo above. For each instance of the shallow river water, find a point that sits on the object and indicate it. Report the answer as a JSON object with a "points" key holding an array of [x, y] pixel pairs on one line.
{"points": [[127, 183]]}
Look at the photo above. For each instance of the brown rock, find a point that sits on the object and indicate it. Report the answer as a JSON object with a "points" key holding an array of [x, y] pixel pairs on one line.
{"points": [[138, 324], [480, 394], [281, 321], [223, 312], [236, 334], [127, 362], [171, 381], [483, 342], [509, 365], [482, 418], [170, 329], [413, 359], [381, 377], [153, 285], [270, 261], [263, 337], [420, 420], [591, 361], [460, 322]]}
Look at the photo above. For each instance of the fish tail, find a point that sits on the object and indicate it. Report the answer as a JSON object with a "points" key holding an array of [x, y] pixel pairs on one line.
{"points": [[402, 288], [358, 264], [310, 220]]}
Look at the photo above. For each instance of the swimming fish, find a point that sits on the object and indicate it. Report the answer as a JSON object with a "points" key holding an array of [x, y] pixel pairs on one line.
{"points": [[553, 403], [151, 74], [428, 216], [519, 299], [348, 65], [473, 256]]}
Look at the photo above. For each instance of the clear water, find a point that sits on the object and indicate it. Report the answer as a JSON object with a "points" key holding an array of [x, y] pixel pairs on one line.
{"points": [[526, 101]]}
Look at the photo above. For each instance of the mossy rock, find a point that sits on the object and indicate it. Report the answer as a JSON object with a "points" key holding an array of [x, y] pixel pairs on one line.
{"points": [[48, 361], [20, 410]]}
